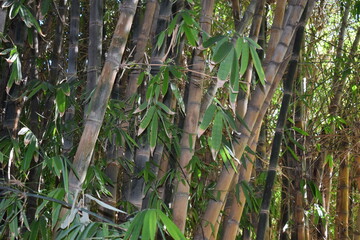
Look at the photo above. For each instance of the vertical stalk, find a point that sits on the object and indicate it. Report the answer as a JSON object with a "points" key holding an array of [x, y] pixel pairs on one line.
{"points": [[275, 151], [101, 96], [182, 188]]}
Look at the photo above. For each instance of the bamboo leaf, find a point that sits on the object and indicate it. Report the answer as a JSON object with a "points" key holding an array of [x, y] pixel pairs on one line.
{"points": [[187, 18], [299, 130], [225, 66], [45, 5], [105, 205], [154, 132], [173, 230], [25, 164], [189, 35], [165, 108], [60, 101], [216, 134], [253, 43], [222, 51], [244, 58], [238, 47], [140, 78], [146, 120], [212, 41], [208, 117], [14, 10], [178, 97], [149, 225], [160, 40], [165, 84], [257, 64]]}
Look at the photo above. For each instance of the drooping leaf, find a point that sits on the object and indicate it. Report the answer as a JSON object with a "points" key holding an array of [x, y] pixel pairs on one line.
{"points": [[165, 83], [208, 117], [225, 66], [187, 18], [160, 40], [173, 230], [105, 205], [212, 41], [299, 130], [28, 156], [165, 108], [216, 134], [253, 43], [61, 101], [45, 6], [154, 132], [178, 97], [146, 120], [189, 35], [222, 51], [244, 58], [257, 64]]}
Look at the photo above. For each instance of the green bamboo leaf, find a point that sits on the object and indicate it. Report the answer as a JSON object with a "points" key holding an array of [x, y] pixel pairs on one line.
{"points": [[25, 164], [299, 130], [45, 6], [14, 10], [57, 165], [55, 215], [172, 25], [154, 132], [141, 108], [160, 40], [216, 134], [257, 64], [146, 120], [165, 108], [208, 117], [187, 18], [244, 58], [141, 78], [65, 175], [133, 232], [189, 35], [60, 101], [175, 71], [234, 77], [253, 43], [209, 42], [165, 84], [222, 51], [178, 97], [238, 47], [149, 225], [225, 66], [293, 154], [173, 230]]}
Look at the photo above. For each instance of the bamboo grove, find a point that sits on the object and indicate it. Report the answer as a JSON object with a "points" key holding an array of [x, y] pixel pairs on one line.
{"points": [[179, 119]]}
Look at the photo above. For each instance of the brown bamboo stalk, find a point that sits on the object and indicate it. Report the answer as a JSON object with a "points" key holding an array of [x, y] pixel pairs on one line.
{"points": [[182, 188], [276, 28], [356, 169], [244, 133], [101, 96], [342, 202], [240, 28]]}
